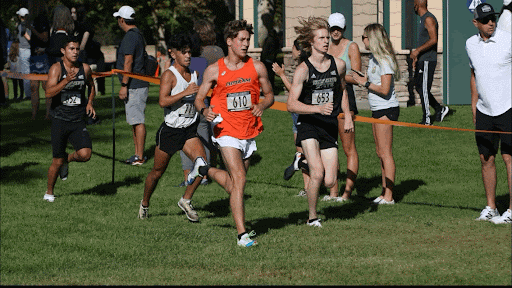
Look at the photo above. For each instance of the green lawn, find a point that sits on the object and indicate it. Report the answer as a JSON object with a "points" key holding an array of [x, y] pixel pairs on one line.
{"points": [[91, 235]]}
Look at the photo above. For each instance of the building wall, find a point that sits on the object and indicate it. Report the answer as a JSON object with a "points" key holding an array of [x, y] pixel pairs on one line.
{"points": [[364, 12]]}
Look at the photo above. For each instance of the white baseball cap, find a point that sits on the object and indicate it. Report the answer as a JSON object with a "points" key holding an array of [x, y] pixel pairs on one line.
{"points": [[337, 19], [125, 12], [506, 2], [22, 12]]}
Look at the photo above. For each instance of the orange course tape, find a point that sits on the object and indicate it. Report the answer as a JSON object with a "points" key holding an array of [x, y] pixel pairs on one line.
{"points": [[282, 107], [277, 105]]}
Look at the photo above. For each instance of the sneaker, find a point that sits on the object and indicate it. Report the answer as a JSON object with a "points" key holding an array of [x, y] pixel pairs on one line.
{"points": [[205, 181], [377, 200], [246, 241], [135, 160], [186, 206], [384, 202], [442, 113], [49, 198], [302, 193], [487, 214], [195, 172], [290, 170], [315, 223], [64, 170], [327, 198], [340, 199], [425, 122], [506, 218], [143, 211]]}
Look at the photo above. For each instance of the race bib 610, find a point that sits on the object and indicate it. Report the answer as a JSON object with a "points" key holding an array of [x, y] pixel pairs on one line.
{"points": [[239, 101]]}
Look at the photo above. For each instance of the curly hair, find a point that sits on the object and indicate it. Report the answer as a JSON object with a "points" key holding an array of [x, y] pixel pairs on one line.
{"points": [[206, 32], [235, 26], [306, 31]]}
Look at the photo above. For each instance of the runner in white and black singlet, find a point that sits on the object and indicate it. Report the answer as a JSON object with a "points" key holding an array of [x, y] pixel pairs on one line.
{"points": [[66, 86]]}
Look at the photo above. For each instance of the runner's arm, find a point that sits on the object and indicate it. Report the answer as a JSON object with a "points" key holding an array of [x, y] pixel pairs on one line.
{"points": [[209, 79], [266, 88], [90, 83], [53, 86], [167, 83]]}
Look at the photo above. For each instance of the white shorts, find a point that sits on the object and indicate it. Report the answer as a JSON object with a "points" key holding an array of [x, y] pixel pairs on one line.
{"points": [[246, 146]]}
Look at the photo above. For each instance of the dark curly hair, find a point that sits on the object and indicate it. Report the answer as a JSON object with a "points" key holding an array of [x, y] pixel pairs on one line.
{"points": [[233, 27]]}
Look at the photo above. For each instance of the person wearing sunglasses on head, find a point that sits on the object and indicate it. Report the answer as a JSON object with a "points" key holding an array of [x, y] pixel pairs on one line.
{"points": [[490, 60]]}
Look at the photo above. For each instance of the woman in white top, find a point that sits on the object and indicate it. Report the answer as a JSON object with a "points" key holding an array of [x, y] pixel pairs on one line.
{"points": [[379, 80]]}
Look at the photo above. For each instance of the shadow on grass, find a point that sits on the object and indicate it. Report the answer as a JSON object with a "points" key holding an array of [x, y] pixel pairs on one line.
{"points": [[220, 208], [110, 189], [17, 173]]}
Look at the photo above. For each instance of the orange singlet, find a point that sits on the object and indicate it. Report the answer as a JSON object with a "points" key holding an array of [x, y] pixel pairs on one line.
{"points": [[233, 97]]}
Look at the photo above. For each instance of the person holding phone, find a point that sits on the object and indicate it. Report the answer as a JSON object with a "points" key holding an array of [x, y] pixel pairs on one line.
{"points": [[380, 80]]}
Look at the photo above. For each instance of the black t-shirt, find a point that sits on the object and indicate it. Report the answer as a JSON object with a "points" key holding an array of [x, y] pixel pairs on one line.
{"points": [[132, 44], [321, 88], [57, 40], [41, 25], [70, 104]]}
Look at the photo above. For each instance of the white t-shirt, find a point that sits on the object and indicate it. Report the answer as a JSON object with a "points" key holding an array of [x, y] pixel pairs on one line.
{"points": [[492, 63], [375, 71], [182, 113]]}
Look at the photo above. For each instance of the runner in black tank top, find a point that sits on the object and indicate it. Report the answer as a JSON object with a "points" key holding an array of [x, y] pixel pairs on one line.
{"points": [[69, 104], [67, 82], [321, 88]]}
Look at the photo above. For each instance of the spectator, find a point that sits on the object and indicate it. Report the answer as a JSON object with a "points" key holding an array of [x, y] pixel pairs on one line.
{"points": [[62, 26], [490, 60], [90, 49], [299, 55], [347, 51], [39, 25], [424, 61], [134, 92], [380, 80], [24, 56], [14, 66], [270, 47]]}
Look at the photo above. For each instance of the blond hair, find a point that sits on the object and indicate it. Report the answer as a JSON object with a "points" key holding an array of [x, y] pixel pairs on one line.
{"points": [[381, 47], [306, 31]]}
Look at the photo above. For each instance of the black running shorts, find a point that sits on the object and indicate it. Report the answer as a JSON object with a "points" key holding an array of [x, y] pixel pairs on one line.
{"points": [[170, 140], [75, 132], [488, 143]]}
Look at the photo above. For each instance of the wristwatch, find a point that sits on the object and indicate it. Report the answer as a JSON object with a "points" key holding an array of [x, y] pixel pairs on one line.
{"points": [[367, 84], [124, 84]]}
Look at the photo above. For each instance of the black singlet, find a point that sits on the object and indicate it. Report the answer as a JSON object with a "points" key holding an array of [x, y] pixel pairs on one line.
{"points": [[321, 88], [69, 104]]}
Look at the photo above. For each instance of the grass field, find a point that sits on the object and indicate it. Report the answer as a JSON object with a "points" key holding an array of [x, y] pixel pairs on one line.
{"points": [[91, 235]]}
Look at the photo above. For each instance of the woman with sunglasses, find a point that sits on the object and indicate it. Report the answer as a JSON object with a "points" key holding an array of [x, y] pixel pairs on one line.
{"points": [[379, 80]]}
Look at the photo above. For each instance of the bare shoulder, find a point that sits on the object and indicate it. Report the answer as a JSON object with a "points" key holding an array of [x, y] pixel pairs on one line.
{"points": [[353, 46], [259, 66], [168, 76], [211, 71], [340, 64]]}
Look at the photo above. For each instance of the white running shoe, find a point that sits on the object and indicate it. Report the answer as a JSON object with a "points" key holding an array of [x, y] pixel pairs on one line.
{"points": [[49, 198], [246, 241], [143, 211], [195, 171], [187, 207], [384, 202], [302, 193], [487, 214], [327, 198], [340, 199], [506, 218], [315, 223], [377, 200]]}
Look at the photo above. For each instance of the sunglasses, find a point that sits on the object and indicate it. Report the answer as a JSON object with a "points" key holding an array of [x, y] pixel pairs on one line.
{"points": [[363, 37], [486, 19]]}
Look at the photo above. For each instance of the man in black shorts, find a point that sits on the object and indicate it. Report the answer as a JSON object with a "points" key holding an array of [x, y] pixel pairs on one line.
{"points": [[67, 81]]}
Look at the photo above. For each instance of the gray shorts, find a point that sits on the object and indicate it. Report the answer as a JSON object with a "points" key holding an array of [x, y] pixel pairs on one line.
{"points": [[136, 105]]}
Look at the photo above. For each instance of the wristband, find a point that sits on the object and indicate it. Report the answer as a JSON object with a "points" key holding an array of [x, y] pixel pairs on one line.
{"points": [[202, 110], [124, 84], [367, 84]]}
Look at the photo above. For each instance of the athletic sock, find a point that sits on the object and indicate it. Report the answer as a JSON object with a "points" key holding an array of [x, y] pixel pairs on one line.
{"points": [[203, 170], [302, 165], [240, 235]]}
